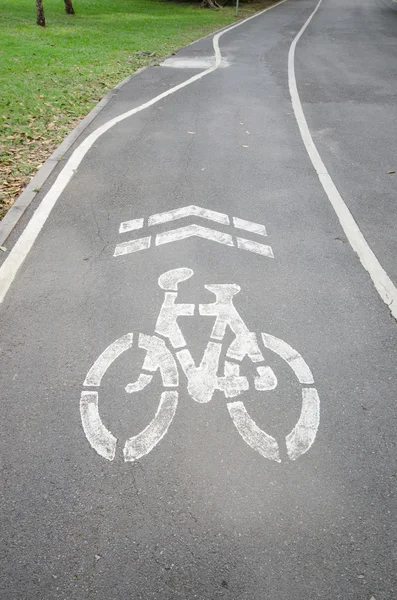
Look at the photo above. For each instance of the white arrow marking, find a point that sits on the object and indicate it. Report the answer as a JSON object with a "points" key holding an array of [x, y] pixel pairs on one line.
{"points": [[132, 246], [144, 442], [251, 246], [175, 235], [103, 362], [304, 433], [98, 436], [188, 211]]}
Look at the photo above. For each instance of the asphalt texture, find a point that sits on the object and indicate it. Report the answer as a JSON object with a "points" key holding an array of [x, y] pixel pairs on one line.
{"points": [[203, 515]]}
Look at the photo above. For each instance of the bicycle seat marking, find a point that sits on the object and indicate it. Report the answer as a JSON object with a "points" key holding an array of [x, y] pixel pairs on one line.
{"points": [[167, 352]]}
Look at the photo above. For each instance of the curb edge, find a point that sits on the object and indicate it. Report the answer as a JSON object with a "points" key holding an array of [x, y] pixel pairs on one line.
{"points": [[24, 200]]}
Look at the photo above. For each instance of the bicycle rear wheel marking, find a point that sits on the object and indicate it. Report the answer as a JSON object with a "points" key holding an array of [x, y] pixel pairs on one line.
{"points": [[109, 355], [98, 436], [141, 444]]}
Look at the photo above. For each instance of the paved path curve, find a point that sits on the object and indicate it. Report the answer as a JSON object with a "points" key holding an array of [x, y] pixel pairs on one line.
{"points": [[134, 468]]}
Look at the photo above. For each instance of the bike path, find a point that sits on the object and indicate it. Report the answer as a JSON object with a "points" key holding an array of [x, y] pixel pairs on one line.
{"points": [[346, 64], [201, 515]]}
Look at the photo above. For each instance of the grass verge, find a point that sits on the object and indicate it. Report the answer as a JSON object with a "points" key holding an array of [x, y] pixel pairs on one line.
{"points": [[52, 77]]}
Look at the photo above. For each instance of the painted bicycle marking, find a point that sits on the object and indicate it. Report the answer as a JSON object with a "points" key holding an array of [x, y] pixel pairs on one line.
{"points": [[168, 353]]}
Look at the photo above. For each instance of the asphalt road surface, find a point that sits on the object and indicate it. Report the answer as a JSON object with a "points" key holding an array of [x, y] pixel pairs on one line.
{"points": [[195, 461]]}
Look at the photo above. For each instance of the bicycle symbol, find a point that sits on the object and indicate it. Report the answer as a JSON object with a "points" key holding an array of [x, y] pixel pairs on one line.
{"points": [[168, 348]]}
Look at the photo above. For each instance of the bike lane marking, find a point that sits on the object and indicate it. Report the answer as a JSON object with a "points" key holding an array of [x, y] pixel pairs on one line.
{"points": [[194, 230], [382, 282], [25, 242], [163, 353]]}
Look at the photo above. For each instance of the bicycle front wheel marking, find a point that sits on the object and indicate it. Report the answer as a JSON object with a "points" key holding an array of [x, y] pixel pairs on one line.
{"points": [[253, 435], [302, 436]]}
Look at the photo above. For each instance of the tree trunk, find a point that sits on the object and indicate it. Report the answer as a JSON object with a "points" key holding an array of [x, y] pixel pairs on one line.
{"points": [[40, 13], [69, 7], [210, 4]]}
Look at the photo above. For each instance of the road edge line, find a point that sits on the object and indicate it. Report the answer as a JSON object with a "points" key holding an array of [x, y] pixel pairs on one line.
{"points": [[382, 282], [23, 245]]}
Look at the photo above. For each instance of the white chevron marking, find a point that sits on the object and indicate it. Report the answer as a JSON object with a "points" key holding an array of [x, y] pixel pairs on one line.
{"points": [[182, 233], [132, 246], [251, 246], [188, 211], [249, 226], [131, 225]]}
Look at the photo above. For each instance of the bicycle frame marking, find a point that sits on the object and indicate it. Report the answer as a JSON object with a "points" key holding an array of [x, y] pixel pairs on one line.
{"points": [[203, 379]]}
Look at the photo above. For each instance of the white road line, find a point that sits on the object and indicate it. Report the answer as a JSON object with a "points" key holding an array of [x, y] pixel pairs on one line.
{"points": [[382, 282], [187, 211], [10, 267], [256, 247], [175, 235], [249, 226], [132, 246], [131, 225]]}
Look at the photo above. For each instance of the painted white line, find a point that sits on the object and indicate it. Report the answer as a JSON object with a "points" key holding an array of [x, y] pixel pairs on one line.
{"points": [[304, 433], [382, 282], [259, 440], [188, 211], [188, 63], [291, 356], [98, 436], [131, 225], [103, 362], [251, 246], [132, 246], [141, 444], [9, 268], [249, 226], [175, 235]]}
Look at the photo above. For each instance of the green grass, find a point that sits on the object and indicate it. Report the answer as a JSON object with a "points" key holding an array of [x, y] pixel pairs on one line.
{"points": [[51, 77]]}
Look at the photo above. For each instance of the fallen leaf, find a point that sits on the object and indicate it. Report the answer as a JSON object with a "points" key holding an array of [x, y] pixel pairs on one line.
{"points": [[203, 169], [241, 123], [244, 146], [3, 248], [192, 132], [390, 172], [248, 132]]}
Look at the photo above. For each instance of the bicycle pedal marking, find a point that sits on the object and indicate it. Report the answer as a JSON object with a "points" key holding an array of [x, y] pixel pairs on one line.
{"points": [[194, 230], [167, 352]]}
